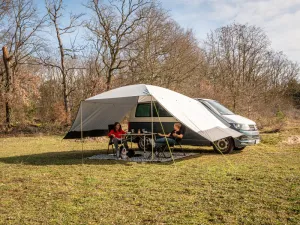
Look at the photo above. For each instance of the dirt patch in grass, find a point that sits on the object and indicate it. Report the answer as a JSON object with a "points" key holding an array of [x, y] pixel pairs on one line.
{"points": [[292, 140]]}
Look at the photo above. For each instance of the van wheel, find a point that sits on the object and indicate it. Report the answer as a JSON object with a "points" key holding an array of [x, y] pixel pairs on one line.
{"points": [[141, 144], [223, 146], [239, 148]]}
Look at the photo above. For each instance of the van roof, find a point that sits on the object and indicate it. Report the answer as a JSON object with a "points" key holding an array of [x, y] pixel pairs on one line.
{"points": [[205, 99], [199, 99]]}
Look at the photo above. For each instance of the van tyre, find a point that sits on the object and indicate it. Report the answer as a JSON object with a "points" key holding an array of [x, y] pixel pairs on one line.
{"points": [[141, 144], [224, 146]]}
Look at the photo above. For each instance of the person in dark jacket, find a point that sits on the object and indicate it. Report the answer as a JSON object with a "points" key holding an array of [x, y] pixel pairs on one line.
{"points": [[171, 137]]}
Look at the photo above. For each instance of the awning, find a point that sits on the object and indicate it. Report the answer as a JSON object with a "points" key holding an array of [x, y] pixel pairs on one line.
{"points": [[97, 112]]}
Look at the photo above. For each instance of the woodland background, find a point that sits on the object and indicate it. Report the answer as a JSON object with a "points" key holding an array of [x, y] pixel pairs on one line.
{"points": [[49, 66]]}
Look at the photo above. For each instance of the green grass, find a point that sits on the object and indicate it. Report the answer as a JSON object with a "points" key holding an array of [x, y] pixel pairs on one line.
{"points": [[43, 181]]}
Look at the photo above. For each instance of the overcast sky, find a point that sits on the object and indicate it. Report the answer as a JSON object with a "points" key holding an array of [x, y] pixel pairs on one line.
{"points": [[280, 19]]}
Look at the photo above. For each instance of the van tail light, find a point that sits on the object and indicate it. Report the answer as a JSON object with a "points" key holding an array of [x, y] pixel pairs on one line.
{"points": [[128, 125]]}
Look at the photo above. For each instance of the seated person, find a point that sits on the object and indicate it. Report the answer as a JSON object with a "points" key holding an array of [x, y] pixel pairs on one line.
{"points": [[171, 137], [115, 134]]}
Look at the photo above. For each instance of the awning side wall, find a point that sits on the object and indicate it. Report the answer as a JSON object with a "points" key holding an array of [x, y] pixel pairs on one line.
{"points": [[96, 115]]}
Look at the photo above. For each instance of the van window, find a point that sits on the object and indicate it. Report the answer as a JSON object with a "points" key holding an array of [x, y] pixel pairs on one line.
{"points": [[161, 111], [144, 110], [220, 108]]}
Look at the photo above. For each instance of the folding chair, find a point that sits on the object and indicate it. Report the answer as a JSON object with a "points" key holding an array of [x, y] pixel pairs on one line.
{"points": [[110, 142], [162, 149], [178, 143]]}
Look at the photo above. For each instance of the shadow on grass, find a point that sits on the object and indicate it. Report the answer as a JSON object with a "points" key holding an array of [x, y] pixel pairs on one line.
{"points": [[77, 157]]}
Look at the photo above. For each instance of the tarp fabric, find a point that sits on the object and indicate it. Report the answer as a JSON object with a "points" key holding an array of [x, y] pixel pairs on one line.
{"points": [[108, 107]]}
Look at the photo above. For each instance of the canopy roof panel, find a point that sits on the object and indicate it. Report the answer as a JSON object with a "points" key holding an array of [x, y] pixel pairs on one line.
{"points": [[122, 92], [113, 105]]}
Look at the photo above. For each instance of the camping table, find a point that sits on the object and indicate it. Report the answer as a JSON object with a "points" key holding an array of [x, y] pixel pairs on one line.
{"points": [[135, 135]]}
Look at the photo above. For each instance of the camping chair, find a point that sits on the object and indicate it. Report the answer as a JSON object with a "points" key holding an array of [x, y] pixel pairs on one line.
{"points": [[179, 140], [162, 149], [178, 144], [110, 142]]}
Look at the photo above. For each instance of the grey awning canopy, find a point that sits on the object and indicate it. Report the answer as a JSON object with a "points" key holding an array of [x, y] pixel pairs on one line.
{"points": [[108, 107]]}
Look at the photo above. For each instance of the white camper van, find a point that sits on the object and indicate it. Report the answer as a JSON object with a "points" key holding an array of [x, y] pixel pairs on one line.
{"points": [[237, 122], [140, 119]]}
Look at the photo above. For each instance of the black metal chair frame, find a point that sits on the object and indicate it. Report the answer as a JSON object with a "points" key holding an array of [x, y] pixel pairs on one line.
{"points": [[162, 149], [110, 142]]}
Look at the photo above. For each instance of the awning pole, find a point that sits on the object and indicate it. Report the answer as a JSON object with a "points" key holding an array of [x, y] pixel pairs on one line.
{"points": [[162, 127], [81, 132], [152, 141]]}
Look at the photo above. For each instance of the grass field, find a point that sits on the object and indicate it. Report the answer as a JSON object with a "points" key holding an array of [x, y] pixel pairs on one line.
{"points": [[43, 181]]}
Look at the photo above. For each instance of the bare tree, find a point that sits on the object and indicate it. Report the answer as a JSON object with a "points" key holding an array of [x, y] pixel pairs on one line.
{"points": [[7, 84], [146, 54], [236, 58], [132, 41], [4, 7], [165, 54], [55, 11], [243, 69], [19, 40], [111, 29]]}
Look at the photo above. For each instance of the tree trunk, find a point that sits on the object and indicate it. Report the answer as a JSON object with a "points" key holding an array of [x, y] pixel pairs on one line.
{"points": [[7, 79], [66, 101], [234, 103], [108, 80], [107, 86], [64, 73], [7, 113]]}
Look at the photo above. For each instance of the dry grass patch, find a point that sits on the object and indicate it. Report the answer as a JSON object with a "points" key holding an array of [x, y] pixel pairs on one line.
{"points": [[43, 181]]}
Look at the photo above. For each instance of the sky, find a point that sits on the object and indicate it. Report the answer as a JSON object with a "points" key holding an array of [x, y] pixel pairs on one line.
{"points": [[280, 19]]}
